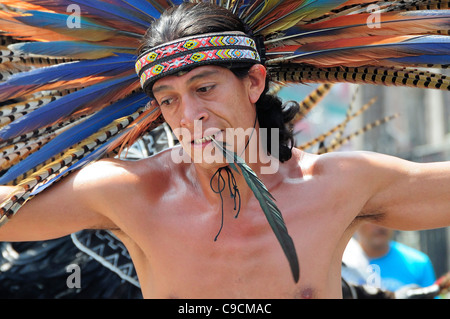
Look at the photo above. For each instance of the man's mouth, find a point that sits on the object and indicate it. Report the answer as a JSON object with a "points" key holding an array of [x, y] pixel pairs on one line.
{"points": [[205, 139]]}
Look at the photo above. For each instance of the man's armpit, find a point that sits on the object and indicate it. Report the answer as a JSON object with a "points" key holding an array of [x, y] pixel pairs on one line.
{"points": [[369, 217]]}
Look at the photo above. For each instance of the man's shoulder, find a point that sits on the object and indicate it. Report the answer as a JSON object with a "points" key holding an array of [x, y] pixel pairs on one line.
{"points": [[127, 171], [108, 168], [334, 162], [355, 163]]}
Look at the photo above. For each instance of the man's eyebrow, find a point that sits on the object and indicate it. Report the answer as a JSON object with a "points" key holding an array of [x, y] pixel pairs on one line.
{"points": [[202, 75], [160, 88], [195, 77]]}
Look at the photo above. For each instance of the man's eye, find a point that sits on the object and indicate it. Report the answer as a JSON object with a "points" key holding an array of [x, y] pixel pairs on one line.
{"points": [[166, 102], [205, 89]]}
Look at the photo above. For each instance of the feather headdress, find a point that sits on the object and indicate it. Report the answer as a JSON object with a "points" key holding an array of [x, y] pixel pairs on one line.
{"points": [[69, 94]]}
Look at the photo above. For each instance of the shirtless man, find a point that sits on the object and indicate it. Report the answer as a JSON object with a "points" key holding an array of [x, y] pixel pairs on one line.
{"points": [[167, 214]]}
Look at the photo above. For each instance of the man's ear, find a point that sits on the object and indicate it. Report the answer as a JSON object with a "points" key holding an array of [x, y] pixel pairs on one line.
{"points": [[257, 76]]}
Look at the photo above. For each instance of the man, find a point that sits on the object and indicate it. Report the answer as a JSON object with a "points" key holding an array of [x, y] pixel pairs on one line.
{"points": [[397, 265], [168, 212]]}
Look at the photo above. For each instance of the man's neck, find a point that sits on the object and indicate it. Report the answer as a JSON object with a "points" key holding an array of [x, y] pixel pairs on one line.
{"points": [[207, 178], [377, 252]]}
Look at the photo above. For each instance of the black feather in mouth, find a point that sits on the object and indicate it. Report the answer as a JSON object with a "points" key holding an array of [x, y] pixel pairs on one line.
{"points": [[267, 203]]}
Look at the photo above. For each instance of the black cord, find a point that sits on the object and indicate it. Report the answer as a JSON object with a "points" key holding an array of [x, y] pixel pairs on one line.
{"points": [[234, 191]]}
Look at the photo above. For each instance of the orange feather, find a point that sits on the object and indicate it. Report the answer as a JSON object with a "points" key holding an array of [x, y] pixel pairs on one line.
{"points": [[355, 26], [23, 5], [25, 32]]}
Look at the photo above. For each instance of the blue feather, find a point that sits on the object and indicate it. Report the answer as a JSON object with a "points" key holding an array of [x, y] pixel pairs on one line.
{"points": [[58, 22], [99, 9], [429, 39], [426, 13], [72, 49], [95, 155], [116, 12], [138, 5], [420, 45], [91, 157], [307, 9], [25, 82], [102, 9], [72, 70], [64, 106], [76, 134], [423, 59], [441, 18]]}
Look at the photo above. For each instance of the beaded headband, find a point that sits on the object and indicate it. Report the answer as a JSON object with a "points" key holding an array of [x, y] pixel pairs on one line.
{"points": [[181, 54]]}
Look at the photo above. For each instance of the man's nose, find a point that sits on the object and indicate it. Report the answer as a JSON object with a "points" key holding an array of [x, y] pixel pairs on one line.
{"points": [[192, 111]]}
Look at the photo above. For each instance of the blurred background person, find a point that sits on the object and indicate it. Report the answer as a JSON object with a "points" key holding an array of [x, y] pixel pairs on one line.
{"points": [[373, 258]]}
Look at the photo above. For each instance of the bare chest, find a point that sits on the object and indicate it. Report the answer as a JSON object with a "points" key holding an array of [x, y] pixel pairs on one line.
{"points": [[181, 259]]}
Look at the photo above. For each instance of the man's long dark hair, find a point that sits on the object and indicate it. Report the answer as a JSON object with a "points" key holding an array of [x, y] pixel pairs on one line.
{"points": [[190, 19]]}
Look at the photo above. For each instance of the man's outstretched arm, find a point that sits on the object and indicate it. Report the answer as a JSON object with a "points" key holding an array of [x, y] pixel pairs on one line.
{"points": [[68, 206], [406, 195]]}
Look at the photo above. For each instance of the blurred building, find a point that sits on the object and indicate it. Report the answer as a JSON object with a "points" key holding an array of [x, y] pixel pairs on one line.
{"points": [[420, 133]]}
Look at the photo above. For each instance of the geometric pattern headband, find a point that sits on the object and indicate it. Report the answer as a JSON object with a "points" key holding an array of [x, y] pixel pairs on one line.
{"points": [[181, 54]]}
